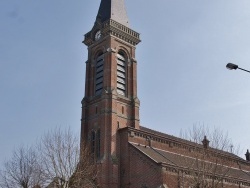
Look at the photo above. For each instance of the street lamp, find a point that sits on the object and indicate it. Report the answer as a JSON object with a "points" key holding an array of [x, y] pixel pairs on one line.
{"points": [[232, 66]]}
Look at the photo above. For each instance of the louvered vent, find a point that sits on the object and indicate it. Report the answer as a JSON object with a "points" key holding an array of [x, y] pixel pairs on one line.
{"points": [[99, 75], [121, 75]]}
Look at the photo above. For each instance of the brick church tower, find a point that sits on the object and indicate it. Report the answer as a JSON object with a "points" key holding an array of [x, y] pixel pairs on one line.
{"points": [[129, 155], [110, 102]]}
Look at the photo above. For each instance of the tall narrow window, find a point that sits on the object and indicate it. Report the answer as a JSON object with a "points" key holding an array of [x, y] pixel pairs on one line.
{"points": [[99, 74], [122, 109], [98, 143], [93, 142], [121, 74]]}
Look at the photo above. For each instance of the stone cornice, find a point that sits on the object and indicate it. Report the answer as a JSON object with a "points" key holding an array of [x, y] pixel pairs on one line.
{"points": [[113, 28]]}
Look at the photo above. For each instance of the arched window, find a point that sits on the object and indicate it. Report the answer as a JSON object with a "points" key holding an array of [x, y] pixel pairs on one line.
{"points": [[99, 74], [121, 74]]}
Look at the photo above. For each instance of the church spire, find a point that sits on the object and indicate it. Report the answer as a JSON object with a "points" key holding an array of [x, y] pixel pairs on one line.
{"points": [[112, 20], [113, 9]]}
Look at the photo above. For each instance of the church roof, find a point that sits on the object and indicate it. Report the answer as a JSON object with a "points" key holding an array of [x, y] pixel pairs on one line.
{"points": [[180, 140], [113, 9], [166, 158]]}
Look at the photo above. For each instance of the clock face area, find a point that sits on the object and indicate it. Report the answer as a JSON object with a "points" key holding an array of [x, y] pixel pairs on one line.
{"points": [[98, 35]]}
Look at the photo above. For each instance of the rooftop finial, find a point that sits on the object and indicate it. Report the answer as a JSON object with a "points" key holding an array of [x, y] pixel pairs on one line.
{"points": [[247, 155], [205, 142]]}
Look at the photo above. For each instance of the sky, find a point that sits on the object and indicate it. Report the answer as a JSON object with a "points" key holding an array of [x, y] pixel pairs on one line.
{"points": [[182, 78]]}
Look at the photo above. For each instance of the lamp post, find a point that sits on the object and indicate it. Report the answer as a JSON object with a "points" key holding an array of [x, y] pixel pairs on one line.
{"points": [[232, 66]]}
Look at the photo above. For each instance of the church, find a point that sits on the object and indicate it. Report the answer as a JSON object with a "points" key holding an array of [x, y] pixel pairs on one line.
{"points": [[127, 154]]}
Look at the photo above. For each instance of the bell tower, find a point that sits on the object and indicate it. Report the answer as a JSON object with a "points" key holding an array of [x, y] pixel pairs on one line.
{"points": [[110, 100]]}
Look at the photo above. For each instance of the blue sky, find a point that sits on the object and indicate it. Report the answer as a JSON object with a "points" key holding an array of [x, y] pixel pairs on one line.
{"points": [[182, 79]]}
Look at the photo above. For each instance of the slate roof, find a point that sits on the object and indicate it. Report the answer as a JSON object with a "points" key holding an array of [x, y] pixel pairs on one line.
{"points": [[177, 139], [113, 9], [166, 158]]}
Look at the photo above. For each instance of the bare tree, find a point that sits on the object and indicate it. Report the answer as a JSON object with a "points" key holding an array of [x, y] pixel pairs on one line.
{"points": [[60, 156], [22, 170], [209, 164], [57, 162], [219, 139], [86, 172]]}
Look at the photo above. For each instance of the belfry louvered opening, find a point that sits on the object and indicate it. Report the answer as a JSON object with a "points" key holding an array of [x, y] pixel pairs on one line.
{"points": [[121, 74], [99, 74]]}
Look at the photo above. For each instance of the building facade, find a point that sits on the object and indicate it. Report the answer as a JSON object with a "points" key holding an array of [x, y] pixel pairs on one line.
{"points": [[127, 154]]}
